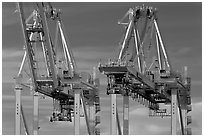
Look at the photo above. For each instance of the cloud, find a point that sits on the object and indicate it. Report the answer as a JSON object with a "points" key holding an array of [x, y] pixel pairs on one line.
{"points": [[87, 52], [12, 54], [182, 51], [140, 111], [196, 118], [155, 129], [9, 16], [10, 13], [196, 82]]}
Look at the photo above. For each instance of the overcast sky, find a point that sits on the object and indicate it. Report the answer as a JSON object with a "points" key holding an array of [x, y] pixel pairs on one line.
{"points": [[94, 34]]}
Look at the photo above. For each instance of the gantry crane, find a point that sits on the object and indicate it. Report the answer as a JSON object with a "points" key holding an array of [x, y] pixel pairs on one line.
{"points": [[53, 73], [143, 71]]}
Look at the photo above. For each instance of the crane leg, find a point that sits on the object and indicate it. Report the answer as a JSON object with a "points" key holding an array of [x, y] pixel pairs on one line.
{"points": [[174, 111], [35, 113], [118, 123], [91, 118], [184, 113], [76, 112], [113, 115], [125, 115], [18, 90]]}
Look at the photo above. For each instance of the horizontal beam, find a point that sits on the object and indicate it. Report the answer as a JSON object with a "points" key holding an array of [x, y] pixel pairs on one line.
{"points": [[114, 69]]}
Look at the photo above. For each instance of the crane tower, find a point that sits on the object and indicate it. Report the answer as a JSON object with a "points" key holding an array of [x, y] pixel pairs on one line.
{"points": [[144, 72], [53, 73]]}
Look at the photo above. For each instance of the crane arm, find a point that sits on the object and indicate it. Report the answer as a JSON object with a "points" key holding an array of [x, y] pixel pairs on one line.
{"points": [[162, 45], [68, 52], [126, 39], [54, 14]]}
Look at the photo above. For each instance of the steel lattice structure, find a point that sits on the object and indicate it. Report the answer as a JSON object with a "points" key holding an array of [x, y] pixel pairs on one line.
{"points": [[54, 73], [143, 71]]}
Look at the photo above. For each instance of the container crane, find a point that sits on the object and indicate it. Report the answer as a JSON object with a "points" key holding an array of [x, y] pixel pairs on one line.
{"points": [[143, 71], [54, 73]]}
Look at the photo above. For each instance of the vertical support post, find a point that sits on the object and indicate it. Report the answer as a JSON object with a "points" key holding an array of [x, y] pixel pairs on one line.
{"points": [[76, 111], [35, 113], [184, 117], [174, 111], [125, 115], [113, 114], [183, 110], [92, 118], [18, 90]]}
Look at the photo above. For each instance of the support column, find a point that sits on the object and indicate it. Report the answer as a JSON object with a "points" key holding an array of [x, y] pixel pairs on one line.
{"points": [[18, 90], [35, 113], [92, 118], [174, 111], [125, 115], [77, 111], [184, 110], [184, 114], [113, 114]]}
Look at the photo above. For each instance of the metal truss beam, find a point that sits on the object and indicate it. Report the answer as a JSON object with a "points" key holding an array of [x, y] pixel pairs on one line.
{"points": [[48, 44]]}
